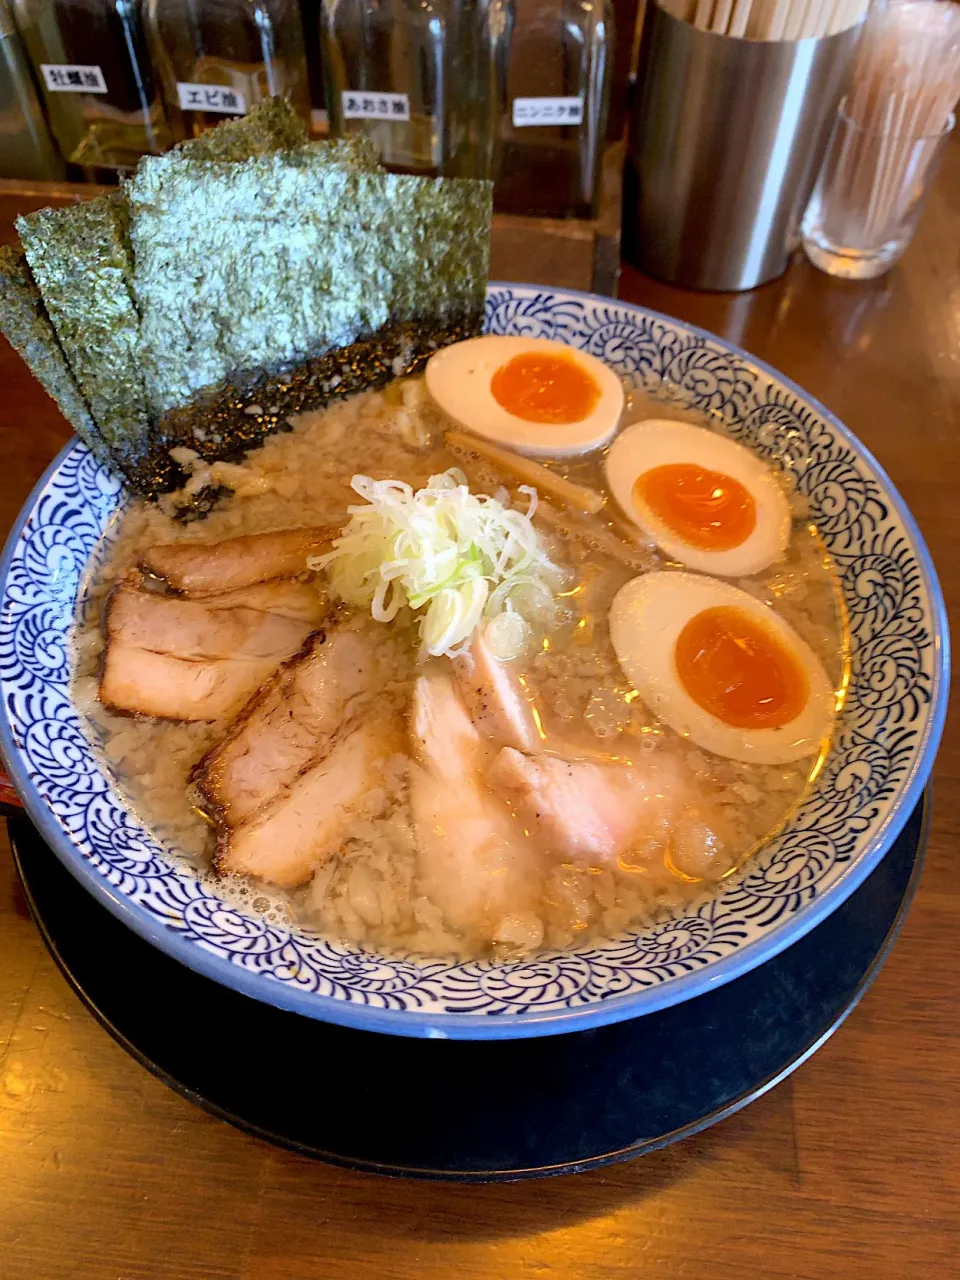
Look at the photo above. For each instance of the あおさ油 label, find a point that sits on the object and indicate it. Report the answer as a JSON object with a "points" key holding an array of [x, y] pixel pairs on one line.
{"points": [[363, 105], [69, 77], [546, 111], [211, 97]]}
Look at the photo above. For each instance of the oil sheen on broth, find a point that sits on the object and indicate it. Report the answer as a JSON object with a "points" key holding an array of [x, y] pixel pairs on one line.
{"points": [[545, 884]]}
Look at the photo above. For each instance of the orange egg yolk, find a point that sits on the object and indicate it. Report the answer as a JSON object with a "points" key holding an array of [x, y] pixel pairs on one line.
{"points": [[538, 386], [738, 670], [707, 509]]}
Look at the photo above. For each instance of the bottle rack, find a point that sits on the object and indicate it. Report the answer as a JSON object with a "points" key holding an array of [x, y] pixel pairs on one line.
{"points": [[567, 253]]}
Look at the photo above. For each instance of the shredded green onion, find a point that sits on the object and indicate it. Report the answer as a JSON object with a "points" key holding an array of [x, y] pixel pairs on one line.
{"points": [[461, 556]]}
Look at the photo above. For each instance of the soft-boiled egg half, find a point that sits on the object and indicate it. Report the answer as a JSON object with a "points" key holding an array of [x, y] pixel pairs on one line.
{"points": [[532, 394], [708, 501], [722, 668]]}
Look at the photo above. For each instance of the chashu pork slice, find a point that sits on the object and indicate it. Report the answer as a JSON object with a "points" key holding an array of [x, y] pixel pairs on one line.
{"points": [[476, 863], [190, 659], [291, 722], [500, 707], [286, 841], [290, 599], [168, 688], [593, 812], [258, 622], [236, 562]]}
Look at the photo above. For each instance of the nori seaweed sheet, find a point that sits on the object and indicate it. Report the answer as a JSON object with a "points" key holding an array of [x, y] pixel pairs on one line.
{"points": [[81, 263], [226, 421], [26, 326], [265, 282], [272, 125], [261, 264]]}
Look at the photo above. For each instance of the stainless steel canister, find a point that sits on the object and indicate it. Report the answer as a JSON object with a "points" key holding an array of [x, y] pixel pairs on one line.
{"points": [[726, 138]]}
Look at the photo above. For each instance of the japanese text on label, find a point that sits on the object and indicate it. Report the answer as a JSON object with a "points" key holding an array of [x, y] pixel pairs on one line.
{"points": [[69, 78], [211, 97], [541, 111], [359, 105]]}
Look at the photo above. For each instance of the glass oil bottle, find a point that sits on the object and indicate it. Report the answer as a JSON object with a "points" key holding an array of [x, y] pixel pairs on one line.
{"points": [[422, 78], [28, 150], [219, 58], [558, 91], [90, 58]]}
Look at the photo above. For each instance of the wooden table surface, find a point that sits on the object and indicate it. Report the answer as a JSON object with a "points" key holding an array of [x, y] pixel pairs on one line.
{"points": [[850, 1168]]}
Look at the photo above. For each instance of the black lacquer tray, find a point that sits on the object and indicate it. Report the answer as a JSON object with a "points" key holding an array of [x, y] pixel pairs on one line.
{"points": [[470, 1110]]}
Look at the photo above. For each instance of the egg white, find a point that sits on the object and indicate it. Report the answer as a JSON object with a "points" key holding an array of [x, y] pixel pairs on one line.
{"points": [[458, 379], [660, 442], [646, 619]]}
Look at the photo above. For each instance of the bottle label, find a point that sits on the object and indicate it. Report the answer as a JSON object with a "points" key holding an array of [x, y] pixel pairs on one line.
{"points": [[361, 105], [63, 77], [211, 97], [546, 111]]}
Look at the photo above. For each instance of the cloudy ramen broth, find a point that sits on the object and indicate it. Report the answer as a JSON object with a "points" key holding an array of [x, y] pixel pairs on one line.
{"points": [[374, 894]]}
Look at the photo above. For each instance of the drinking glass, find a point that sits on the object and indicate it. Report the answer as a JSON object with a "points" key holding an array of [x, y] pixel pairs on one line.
{"points": [[869, 195]]}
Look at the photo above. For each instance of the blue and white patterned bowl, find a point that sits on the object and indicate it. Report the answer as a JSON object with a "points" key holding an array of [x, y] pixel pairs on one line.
{"points": [[881, 759]]}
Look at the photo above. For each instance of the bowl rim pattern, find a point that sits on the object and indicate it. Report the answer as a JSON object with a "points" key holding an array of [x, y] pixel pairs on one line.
{"points": [[481, 1009]]}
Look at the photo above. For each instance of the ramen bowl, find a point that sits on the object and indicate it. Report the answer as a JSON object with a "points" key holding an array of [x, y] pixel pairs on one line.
{"points": [[881, 756]]}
